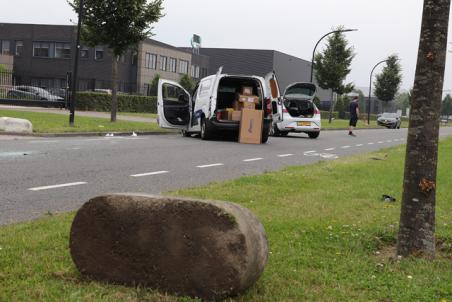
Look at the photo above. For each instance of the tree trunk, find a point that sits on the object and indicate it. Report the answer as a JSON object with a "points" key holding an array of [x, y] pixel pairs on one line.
{"points": [[330, 116], [114, 88], [417, 220]]}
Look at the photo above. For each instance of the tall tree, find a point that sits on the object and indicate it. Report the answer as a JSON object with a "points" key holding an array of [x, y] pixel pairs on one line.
{"points": [[446, 106], [154, 85], [417, 220], [388, 81], [333, 65], [120, 25], [187, 82]]}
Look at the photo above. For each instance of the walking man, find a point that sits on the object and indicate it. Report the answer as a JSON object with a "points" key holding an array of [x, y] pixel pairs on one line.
{"points": [[354, 114]]}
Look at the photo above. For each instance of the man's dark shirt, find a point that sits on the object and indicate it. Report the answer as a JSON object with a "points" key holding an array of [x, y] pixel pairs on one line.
{"points": [[353, 107]]}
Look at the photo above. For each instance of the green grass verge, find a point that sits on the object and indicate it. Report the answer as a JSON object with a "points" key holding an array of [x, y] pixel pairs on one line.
{"points": [[330, 239], [56, 123], [146, 115]]}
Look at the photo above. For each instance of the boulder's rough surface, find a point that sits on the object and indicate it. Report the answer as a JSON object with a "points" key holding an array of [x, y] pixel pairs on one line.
{"points": [[206, 249], [15, 125]]}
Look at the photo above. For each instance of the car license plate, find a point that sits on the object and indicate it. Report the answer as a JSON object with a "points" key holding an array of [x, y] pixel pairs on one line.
{"points": [[304, 124]]}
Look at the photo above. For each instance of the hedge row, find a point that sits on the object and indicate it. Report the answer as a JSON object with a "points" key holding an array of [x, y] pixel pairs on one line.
{"points": [[91, 101]]}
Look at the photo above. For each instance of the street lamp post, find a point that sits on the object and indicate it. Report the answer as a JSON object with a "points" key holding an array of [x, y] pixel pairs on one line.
{"points": [[74, 74], [370, 90], [318, 42]]}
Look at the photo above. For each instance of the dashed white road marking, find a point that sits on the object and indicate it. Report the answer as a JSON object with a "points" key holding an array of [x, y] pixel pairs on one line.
{"points": [[380, 142], [307, 152], [150, 174], [359, 145], [371, 143], [210, 166], [285, 155], [42, 142], [345, 147], [252, 159], [389, 141], [58, 186], [330, 149]]}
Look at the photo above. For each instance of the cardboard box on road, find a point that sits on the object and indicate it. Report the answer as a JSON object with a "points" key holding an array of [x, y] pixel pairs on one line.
{"points": [[251, 126]]}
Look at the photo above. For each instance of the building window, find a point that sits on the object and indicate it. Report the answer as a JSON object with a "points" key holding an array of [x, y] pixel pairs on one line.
{"points": [[99, 53], [84, 52], [62, 50], [163, 63], [134, 57], [19, 48], [183, 67], [197, 72], [203, 72], [42, 50], [150, 61], [172, 66], [6, 47]]}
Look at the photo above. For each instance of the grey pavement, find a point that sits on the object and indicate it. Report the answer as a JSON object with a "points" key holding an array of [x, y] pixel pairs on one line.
{"points": [[95, 114], [39, 175]]}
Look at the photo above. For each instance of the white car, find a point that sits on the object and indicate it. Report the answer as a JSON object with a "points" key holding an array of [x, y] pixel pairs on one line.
{"points": [[297, 112]]}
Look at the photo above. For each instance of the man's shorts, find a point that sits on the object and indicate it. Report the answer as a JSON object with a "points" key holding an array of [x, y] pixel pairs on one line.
{"points": [[353, 121]]}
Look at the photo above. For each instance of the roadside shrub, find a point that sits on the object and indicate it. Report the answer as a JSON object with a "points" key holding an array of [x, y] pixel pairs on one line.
{"points": [[91, 101]]}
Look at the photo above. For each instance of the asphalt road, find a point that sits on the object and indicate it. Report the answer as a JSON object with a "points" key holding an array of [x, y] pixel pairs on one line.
{"points": [[39, 175]]}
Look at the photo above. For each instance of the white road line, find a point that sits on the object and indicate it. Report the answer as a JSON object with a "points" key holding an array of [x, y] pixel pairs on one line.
{"points": [[371, 143], [396, 140], [345, 147], [380, 142], [150, 174], [210, 166], [359, 145], [330, 149], [42, 142], [57, 186], [307, 152], [389, 141], [285, 155], [252, 159]]}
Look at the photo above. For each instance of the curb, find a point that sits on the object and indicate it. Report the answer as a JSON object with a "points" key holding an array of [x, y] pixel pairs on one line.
{"points": [[86, 134]]}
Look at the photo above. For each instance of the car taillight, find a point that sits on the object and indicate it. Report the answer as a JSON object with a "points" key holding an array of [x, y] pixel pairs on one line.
{"points": [[285, 110], [316, 111], [268, 108]]}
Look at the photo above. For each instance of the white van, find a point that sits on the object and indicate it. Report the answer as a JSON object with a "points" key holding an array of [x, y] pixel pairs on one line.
{"points": [[200, 112]]}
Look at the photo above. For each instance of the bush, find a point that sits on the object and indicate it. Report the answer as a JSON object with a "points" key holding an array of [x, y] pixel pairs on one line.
{"points": [[326, 115], [91, 101]]}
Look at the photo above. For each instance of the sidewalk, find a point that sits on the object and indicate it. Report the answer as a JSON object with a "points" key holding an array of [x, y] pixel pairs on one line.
{"points": [[80, 113]]}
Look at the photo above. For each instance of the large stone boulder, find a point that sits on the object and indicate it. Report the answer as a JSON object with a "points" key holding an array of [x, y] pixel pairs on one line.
{"points": [[15, 125], [205, 249]]}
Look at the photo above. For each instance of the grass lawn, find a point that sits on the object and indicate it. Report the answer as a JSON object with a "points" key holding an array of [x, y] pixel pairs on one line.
{"points": [[56, 123], [329, 233], [146, 115]]}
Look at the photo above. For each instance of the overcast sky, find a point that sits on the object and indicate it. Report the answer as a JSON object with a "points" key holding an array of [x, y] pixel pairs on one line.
{"points": [[385, 27]]}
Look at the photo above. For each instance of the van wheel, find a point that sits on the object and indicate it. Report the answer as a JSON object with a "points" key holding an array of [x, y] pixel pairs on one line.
{"points": [[313, 135], [206, 131], [265, 135]]}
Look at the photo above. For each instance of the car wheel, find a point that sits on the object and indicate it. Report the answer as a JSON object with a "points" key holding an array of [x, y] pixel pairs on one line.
{"points": [[185, 133], [206, 131], [313, 135], [274, 131], [283, 133]]}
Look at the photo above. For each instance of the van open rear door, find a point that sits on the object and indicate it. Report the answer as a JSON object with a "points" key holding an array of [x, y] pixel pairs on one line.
{"points": [[275, 94], [174, 105]]}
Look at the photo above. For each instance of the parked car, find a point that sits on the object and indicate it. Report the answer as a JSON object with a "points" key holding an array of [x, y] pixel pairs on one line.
{"points": [[297, 111], [200, 112], [32, 93], [61, 92], [389, 120]]}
